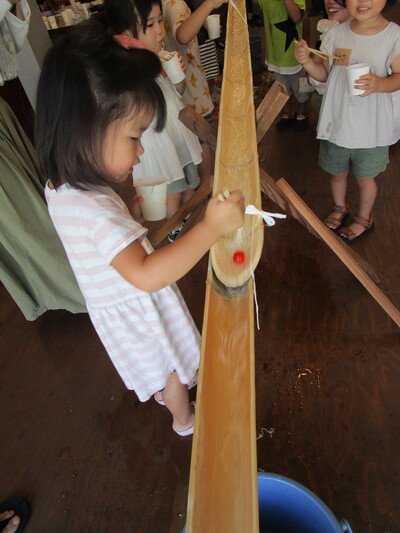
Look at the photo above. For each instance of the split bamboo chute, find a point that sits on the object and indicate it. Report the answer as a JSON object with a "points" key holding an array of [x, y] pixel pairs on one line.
{"points": [[223, 493]]}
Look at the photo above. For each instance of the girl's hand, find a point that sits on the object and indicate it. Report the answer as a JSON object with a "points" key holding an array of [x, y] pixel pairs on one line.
{"points": [[215, 4], [182, 63], [369, 83], [225, 215], [135, 208], [301, 53]]}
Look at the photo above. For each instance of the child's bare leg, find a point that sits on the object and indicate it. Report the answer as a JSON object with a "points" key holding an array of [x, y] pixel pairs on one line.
{"points": [[173, 203], [176, 398], [339, 189], [187, 194], [205, 167], [368, 190]]}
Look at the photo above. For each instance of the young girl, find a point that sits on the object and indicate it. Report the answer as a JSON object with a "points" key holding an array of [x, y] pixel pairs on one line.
{"points": [[356, 131], [95, 100], [175, 152]]}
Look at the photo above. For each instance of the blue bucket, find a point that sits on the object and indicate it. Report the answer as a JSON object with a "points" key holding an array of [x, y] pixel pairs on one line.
{"points": [[285, 506]]}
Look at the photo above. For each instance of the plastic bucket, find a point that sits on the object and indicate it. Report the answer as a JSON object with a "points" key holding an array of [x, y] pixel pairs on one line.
{"points": [[285, 506], [255, 53]]}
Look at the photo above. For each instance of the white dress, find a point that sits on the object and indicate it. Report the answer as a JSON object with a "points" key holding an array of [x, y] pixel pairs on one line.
{"points": [[146, 335], [167, 152], [354, 121]]}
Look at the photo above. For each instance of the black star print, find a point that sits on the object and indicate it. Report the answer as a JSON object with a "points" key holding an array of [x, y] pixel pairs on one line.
{"points": [[288, 27]]}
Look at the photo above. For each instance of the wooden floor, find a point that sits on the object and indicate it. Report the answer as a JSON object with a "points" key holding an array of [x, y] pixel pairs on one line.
{"points": [[91, 458]]}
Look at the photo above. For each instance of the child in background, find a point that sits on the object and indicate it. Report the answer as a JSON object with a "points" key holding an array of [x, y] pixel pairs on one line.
{"points": [[85, 149], [182, 27], [356, 131], [175, 152], [337, 13], [283, 21]]}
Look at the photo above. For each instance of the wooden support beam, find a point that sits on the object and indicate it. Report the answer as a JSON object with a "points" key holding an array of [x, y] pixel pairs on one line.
{"points": [[159, 230], [296, 205], [269, 108], [199, 126], [274, 193]]}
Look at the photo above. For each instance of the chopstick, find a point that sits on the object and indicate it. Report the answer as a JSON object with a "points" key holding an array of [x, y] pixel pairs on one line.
{"points": [[323, 55], [232, 3]]}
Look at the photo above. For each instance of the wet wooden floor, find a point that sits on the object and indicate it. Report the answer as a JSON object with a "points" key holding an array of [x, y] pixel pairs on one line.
{"points": [[91, 458]]}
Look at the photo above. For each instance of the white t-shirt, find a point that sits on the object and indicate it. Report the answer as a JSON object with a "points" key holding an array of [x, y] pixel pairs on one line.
{"points": [[354, 121]]}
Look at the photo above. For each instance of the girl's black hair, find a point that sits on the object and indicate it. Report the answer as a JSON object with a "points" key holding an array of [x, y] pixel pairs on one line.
{"points": [[87, 82], [129, 15]]}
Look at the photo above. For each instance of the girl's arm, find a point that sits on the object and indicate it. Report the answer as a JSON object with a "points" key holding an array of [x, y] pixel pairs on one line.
{"points": [[190, 27], [317, 70], [168, 264], [374, 84], [294, 12]]}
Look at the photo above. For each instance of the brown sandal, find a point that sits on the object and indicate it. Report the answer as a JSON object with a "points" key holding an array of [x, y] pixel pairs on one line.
{"points": [[367, 224], [337, 217]]}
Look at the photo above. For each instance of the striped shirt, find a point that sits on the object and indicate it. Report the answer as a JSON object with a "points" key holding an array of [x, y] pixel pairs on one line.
{"points": [[146, 335]]}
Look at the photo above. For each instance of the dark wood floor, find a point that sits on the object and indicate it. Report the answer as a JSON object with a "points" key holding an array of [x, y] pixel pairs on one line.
{"points": [[91, 458]]}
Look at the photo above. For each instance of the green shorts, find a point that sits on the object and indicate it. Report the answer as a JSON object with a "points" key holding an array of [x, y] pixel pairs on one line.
{"points": [[364, 162], [190, 181]]}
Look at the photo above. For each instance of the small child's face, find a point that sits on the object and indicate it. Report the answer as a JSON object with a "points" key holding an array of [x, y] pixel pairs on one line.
{"points": [[154, 35], [122, 144], [336, 11], [365, 11]]}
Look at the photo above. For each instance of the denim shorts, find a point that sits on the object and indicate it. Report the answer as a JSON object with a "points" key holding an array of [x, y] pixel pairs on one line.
{"points": [[364, 162]]}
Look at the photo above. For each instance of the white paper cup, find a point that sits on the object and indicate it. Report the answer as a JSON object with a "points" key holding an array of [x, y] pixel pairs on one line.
{"points": [[153, 189], [172, 66], [52, 21], [213, 26], [353, 73]]}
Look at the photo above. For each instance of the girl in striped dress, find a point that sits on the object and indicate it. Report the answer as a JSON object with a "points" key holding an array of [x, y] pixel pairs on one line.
{"points": [[95, 100]]}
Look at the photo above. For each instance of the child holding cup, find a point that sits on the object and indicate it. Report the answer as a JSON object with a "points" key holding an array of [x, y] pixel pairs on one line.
{"points": [[356, 131], [175, 152]]}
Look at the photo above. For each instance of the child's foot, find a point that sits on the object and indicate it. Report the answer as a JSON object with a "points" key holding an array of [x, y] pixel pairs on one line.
{"points": [[301, 122], [337, 217], [360, 226], [285, 122], [174, 233], [187, 429]]}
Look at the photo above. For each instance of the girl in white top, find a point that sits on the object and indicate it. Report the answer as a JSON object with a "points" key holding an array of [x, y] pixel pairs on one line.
{"points": [[87, 148], [175, 152], [356, 130]]}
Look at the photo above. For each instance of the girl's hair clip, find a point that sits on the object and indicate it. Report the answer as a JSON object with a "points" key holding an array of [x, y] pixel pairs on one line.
{"points": [[128, 42]]}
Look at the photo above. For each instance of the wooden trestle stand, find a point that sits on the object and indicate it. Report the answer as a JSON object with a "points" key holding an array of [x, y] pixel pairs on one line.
{"points": [[223, 494]]}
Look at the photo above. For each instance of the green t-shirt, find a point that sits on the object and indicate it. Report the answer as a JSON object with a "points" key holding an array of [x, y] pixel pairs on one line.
{"points": [[280, 32]]}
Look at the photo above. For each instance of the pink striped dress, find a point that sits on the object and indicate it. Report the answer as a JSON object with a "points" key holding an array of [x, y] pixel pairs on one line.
{"points": [[146, 335]]}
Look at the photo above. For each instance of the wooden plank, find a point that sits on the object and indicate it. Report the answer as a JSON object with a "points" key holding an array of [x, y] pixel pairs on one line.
{"points": [[199, 126], [340, 249], [236, 156], [269, 108], [223, 493], [270, 188], [159, 230]]}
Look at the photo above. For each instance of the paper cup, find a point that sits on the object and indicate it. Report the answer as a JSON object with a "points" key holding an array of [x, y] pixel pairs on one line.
{"points": [[153, 189], [172, 66], [213, 26], [353, 73]]}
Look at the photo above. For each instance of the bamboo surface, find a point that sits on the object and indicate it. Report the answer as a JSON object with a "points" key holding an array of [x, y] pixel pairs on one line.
{"points": [[223, 493], [236, 157]]}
